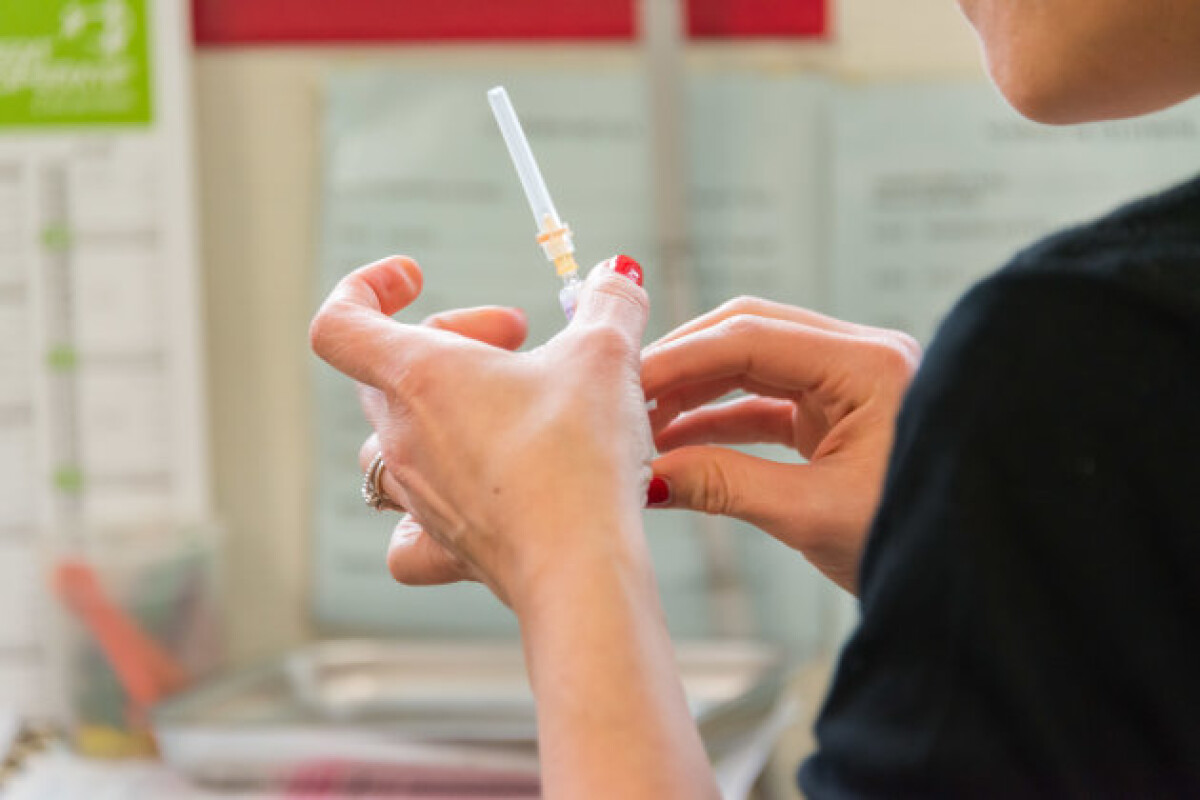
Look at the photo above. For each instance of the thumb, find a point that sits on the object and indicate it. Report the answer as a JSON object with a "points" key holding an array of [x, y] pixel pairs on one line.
{"points": [[820, 511], [718, 480], [613, 297]]}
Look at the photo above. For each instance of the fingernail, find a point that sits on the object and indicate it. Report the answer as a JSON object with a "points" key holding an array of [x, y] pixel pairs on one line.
{"points": [[627, 267], [658, 493], [406, 532]]}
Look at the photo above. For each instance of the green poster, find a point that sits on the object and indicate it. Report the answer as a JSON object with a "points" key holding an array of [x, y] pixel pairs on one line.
{"points": [[74, 63]]}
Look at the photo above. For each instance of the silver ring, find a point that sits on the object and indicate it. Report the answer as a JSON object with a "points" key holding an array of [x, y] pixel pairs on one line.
{"points": [[372, 490]]}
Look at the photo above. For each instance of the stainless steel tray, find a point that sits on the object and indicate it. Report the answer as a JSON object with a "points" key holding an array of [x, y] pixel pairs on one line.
{"points": [[392, 701]]}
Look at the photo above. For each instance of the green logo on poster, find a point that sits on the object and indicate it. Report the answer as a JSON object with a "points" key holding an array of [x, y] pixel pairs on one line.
{"points": [[102, 28], [74, 62]]}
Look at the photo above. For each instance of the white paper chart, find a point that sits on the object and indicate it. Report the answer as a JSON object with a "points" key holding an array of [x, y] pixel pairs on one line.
{"points": [[101, 398], [935, 186]]}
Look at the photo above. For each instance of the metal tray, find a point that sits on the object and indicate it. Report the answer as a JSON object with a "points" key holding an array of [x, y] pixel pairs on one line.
{"points": [[393, 701]]}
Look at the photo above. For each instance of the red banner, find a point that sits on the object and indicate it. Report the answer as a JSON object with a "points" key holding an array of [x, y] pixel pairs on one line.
{"points": [[239, 22], [757, 18]]}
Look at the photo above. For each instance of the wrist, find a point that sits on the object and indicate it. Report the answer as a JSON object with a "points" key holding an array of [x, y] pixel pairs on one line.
{"points": [[610, 706], [595, 557]]}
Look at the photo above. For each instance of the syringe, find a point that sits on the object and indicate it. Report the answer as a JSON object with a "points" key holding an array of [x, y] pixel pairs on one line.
{"points": [[554, 235]]}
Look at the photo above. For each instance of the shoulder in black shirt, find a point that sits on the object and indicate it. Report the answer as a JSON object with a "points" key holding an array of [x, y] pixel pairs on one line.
{"points": [[1030, 590]]}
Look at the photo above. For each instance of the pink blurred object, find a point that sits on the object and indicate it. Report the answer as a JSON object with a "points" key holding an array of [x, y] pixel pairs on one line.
{"points": [[340, 779]]}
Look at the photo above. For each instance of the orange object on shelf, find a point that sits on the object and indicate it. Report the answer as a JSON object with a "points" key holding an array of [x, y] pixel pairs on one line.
{"points": [[147, 672]]}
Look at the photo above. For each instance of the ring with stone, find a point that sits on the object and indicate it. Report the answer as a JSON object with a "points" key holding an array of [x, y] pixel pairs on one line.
{"points": [[372, 488]]}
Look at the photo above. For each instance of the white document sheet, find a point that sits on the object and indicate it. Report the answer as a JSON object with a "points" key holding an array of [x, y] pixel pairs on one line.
{"points": [[936, 186]]}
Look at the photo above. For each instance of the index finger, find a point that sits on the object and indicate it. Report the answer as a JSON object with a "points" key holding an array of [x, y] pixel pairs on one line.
{"points": [[787, 356], [756, 306], [353, 330]]}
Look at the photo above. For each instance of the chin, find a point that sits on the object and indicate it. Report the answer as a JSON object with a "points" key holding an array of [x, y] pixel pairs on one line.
{"points": [[1053, 102], [1044, 102], [1036, 87], [1061, 86]]}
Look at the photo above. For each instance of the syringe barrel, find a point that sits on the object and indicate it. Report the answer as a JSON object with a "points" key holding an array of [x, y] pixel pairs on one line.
{"points": [[527, 168]]}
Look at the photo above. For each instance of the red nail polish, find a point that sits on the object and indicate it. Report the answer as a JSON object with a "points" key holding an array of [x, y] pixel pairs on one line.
{"points": [[658, 492], [629, 268]]}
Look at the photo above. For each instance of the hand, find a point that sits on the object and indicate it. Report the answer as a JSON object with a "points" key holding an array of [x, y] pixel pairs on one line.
{"points": [[509, 462], [828, 388], [419, 560], [527, 471]]}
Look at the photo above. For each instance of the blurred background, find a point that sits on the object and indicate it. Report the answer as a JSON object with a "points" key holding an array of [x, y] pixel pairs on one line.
{"points": [[183, 546]]}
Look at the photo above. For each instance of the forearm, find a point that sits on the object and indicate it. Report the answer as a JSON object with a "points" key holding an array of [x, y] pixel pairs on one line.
{"points": [[612, 717]]}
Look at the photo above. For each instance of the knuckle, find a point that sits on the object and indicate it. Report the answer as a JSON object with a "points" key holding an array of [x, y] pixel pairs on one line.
{"points": [[716, 495], [605, 342], [453, 568], [909, 344], [906, 343], [891, 357], [439, 319], [330, 327], [742, 326], [621, 288], [414, 377], [320, 331], [742, 304]]}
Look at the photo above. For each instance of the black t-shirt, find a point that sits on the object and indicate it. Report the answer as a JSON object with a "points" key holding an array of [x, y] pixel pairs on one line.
{"points": [[1030, 590]]}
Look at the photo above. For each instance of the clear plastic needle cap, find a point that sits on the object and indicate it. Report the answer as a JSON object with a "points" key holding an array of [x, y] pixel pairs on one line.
{"points": [[522, 157]]}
